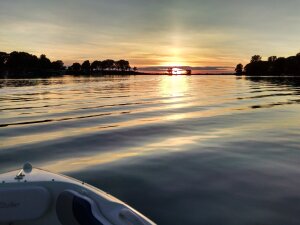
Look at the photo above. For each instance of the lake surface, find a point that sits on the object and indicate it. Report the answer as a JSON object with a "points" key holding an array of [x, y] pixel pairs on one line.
{"points": [[182, 150]]}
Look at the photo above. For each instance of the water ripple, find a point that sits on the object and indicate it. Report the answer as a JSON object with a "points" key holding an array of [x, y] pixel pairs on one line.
{"points": [[219, 145]]}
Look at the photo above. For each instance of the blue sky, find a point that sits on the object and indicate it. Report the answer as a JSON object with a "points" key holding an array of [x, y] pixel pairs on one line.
{"points": [[199, 33]]}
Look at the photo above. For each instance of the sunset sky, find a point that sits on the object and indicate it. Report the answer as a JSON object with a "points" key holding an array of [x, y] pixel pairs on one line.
{"points": [[212, 35]]}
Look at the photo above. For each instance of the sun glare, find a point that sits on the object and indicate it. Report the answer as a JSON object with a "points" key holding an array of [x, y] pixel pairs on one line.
{"points": [[178, 71], [174, 86]]}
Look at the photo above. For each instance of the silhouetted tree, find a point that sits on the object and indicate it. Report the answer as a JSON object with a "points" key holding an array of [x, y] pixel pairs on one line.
{"points": [[76, 67], [274, 66], [257, 68], [96, 65], [107, 64], [3, 59], [239, 69], [44, 62], [135, 69], [256, 58], [298, 63], [279, 66], [291, 65], [21, 62], [58, 65], [86, 66], [272, 59], [122, 65]]}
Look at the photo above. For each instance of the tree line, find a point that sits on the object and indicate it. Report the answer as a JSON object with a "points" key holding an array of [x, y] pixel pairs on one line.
{"points": [[22, 64], [102, 67], [274, 66]]}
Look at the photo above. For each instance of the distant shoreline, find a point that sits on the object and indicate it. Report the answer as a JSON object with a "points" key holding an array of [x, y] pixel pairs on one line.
{"points": [[20, 65], [45, 76]]}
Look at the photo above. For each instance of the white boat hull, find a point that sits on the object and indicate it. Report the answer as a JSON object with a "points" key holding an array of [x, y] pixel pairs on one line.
{"points": [[43, 198]]}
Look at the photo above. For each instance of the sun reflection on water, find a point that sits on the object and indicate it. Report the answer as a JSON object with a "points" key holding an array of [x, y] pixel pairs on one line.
{"points": [[175, 86], [171, 144]]}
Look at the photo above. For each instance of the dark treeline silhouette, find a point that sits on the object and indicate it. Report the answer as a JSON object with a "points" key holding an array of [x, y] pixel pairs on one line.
{"points": [[274, 66], [105, 67], [23, 64], [20, 64]]}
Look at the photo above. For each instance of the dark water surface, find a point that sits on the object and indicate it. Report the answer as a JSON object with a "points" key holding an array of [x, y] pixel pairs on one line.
{"points": [[211, 150]]}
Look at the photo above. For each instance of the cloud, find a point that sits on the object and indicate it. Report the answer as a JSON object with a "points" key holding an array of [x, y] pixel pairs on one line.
{"points": [[152, 32]]}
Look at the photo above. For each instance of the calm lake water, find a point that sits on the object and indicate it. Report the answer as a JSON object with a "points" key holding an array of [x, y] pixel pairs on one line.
{"points": [[211, 150]]}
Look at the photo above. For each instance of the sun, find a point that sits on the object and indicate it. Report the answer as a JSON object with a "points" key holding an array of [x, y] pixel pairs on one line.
{"points": [[178, 71]]}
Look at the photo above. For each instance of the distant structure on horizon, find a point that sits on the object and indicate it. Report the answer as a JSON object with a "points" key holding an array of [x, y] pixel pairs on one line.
{"points": [[179, 71]]}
